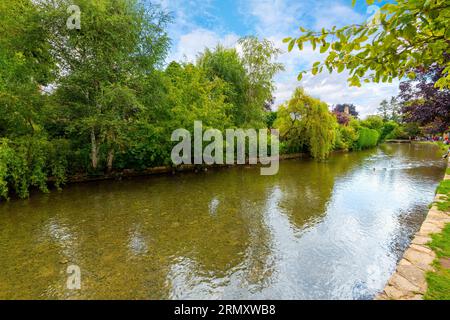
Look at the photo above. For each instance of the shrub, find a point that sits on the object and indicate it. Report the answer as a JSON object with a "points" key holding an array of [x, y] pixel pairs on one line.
{"points": [[28, 162], [346, 137], [373, 122], [388, 127], [397, 133], [368, 138]]}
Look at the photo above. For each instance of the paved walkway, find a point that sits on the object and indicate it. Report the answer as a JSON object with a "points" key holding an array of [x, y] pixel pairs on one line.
{"points": [[408, 282]]}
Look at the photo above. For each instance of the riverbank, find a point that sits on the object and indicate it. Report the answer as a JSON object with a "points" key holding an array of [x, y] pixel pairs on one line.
{"points": [[130, 173], [423, 272]]}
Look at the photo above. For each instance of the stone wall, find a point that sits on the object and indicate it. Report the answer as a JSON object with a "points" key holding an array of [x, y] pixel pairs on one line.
{"points": [[408, 281]]}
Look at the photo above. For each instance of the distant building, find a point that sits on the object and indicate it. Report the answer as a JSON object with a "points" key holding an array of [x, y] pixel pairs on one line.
{"points": [[347, 110]]}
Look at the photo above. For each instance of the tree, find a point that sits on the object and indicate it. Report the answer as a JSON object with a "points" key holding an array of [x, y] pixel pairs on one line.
{"points": [[373, 122], [228, 66], [342, 117], [28, 156], [425, 104], [346, 106], [401, 37], [258, 58], [192, 96], [118, 45], [383, 110], [306, 124], [249, 75], [390, 110]]}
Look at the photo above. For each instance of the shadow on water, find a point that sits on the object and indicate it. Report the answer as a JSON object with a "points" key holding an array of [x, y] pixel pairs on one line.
{"points": [[330, 230]]}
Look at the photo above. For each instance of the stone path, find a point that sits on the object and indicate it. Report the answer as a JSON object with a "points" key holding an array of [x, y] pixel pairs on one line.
{"points": [[408, 282]]}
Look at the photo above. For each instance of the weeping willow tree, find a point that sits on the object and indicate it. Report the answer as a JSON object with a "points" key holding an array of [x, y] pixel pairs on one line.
{"points": [[306, 124]]}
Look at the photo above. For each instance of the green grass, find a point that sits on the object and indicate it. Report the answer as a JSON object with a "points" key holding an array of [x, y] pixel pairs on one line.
{"points": [[439, 281], [442, 146], [444, 189]]}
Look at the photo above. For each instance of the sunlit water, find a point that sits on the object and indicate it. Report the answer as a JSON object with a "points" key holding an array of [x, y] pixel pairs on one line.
{"points": [[331, 230]]}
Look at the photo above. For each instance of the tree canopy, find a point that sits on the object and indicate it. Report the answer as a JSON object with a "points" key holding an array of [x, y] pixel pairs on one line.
{"points": [[401, 37], [305, 123], [423, 103]]}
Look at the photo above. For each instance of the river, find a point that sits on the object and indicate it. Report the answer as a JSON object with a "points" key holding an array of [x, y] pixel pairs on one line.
{"points": [[316, 230]]}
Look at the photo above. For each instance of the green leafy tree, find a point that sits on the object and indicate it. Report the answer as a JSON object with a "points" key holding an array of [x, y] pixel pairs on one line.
{"points": [[259, 60], [227, 65], [250, 76], [402, 36], [373, 122], [383, 110], [306, 124], [28, 155], [119, 44]]}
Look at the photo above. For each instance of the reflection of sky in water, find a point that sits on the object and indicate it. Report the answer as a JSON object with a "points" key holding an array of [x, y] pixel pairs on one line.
{"points": [[346, 255], [137, 243], [213, 206], [324, 230]]}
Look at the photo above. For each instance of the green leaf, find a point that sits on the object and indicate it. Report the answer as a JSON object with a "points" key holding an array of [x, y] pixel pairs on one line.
{"points": [[291, 45], [286, 40], [324, 48], [412, 75]]}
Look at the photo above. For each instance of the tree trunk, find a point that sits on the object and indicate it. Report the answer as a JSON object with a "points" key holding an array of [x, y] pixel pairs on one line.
{"points": [[110, 160], [94, 150]]}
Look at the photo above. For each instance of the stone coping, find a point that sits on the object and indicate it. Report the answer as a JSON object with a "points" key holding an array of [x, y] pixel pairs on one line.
{"points": [[408, 281]]}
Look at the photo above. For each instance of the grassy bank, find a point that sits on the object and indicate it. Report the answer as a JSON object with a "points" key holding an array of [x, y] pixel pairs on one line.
{"points": [[439, 281]]}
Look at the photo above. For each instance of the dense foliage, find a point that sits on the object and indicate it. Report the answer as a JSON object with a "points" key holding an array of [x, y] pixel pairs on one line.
{"points": [[98, 99], [402, 36], [423, 103], [306, 124]]}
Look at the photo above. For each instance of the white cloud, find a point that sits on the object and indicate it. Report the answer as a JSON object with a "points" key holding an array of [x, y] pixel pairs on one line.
{"points": [[275, 20], [333, 89], [278, 19], [327, 16], [194, 42]]}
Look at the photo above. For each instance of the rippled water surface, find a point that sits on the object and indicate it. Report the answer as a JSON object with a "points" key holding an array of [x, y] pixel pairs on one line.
{"points": [[331, 230]]}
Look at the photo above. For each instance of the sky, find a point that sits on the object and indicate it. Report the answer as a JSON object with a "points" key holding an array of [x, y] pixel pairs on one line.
{"points": [[198, 24]]}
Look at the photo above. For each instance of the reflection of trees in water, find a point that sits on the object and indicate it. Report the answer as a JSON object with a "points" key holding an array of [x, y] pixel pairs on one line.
{"points": [[129, 235], [170, 236], [307, 187]]}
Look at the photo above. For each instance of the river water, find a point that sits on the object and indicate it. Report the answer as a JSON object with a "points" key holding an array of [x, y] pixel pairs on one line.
{"points": [[317, 230]]}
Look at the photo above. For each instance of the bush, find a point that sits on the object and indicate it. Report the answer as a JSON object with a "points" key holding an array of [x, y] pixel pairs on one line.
{"points": [[373, 122], [346, 137], [368, 138], [397, 133], [28, 162], [388, 127]]}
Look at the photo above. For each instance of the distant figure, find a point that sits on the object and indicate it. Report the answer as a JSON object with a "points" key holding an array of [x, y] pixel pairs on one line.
{"points": [[446, 154]]}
